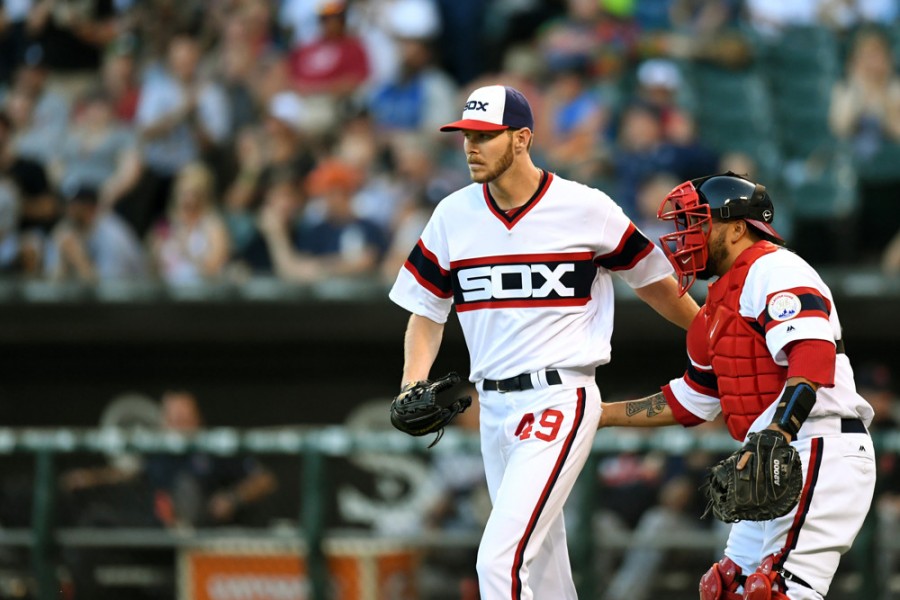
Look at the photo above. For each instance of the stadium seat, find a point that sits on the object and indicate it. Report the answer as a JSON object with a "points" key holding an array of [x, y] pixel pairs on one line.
{"points": [[804, 133], [802, 50], [731, 103], [828, 191], [883, 167]]}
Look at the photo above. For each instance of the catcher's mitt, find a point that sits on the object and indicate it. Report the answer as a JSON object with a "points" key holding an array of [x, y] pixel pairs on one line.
{"points": [[766, 488], [416, 410]]}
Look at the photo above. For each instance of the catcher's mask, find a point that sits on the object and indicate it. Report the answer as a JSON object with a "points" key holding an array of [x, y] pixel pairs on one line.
{"points": [[694, 204]]}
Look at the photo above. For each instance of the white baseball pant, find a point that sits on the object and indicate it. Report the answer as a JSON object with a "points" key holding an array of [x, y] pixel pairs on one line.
{"points": [[534, 444]]}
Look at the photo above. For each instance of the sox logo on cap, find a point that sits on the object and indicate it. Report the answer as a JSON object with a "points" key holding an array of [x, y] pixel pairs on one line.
{"points": [[494, 108]]}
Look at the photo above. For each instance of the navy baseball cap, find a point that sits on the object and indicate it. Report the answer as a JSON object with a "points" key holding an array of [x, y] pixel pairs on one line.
{"points": [[494, 108]]}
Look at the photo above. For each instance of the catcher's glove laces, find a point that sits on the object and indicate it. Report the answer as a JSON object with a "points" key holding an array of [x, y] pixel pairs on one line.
{"points": [[415, 409]]}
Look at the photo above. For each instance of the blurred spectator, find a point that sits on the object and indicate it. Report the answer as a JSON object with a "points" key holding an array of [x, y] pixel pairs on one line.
{"points": [[191, 245], [283, 205], [677, 512], [334, 241], [119, 78], [90, 244], [98, 151], [19, 254], [421, 97], [39, 114], [40, 208], [642, 150], [685, 153], [703, 30], [629, 484], [847, 15], [865, 105], [462, 43], [281, 150], [234, 60], [13, 37], [650, 194], [364, 148], [659, 83], [189, 490], [158, 22], [328, 70], [370, 20], [74, 35], [575, 117], [181, 118], [201, 489], [638, 152], [196, 489], [298, 21], [865, 111], [589, 33]]}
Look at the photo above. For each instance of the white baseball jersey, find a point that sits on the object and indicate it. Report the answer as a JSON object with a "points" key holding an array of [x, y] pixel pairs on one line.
{"points": [[532, 289], [789, 302]]}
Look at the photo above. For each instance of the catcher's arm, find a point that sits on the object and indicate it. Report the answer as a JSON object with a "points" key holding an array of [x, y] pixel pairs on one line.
{"points": [[650, 411], [420, 348], [802, 391]]}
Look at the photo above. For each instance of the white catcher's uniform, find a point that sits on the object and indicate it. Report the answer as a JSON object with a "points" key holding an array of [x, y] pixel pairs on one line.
{"points": [[534, 296], [786, 301]]}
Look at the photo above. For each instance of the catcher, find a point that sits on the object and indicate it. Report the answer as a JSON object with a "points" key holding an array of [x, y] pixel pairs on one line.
{"points": [[766, 352]]}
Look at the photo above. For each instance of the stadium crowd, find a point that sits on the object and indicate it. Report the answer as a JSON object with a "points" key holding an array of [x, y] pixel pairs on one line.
{"points": [[202, 141]]}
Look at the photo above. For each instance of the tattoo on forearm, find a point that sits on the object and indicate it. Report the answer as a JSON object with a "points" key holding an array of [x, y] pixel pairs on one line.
{"points": [[652, 405]]}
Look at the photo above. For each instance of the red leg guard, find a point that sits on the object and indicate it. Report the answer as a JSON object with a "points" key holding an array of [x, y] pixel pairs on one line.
{"points": [[720, 582], [757, 587], [765, 583]]}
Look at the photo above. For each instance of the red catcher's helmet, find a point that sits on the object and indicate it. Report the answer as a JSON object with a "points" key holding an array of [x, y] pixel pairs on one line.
{"points": [[692, 206]]}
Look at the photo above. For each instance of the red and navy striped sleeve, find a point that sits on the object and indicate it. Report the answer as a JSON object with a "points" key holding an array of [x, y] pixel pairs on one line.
{"points": [[424, 266], [632, 247]]}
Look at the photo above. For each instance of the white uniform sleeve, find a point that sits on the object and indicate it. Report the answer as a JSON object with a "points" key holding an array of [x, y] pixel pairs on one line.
{"points": [[698, 404], [423, 286], [789, 302], [628, 253], [695, 395]]}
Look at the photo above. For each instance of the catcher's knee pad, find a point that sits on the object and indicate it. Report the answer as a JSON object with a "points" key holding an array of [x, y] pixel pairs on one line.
{"points": [[765, 583], [721, 581]]}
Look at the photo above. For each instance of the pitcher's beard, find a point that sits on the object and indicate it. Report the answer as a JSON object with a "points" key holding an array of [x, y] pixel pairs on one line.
{"points": [[499, 169]]}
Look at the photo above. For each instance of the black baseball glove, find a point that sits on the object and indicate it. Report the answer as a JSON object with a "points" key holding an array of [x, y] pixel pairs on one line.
{"points": [[416, 409], [766, 488]]}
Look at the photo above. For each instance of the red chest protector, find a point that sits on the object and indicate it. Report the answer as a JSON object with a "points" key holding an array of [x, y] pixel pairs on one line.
{"points": [[748, 379]]}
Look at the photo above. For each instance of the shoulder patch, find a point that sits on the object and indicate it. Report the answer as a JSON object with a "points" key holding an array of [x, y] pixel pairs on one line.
{"points": [[784, 306]]}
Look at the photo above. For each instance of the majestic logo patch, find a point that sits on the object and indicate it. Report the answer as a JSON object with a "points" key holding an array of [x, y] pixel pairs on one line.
{"points": [[784, 306]]}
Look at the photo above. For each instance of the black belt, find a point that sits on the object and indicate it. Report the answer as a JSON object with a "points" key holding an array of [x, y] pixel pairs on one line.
{"points": [[852, 426], [519, 382]]}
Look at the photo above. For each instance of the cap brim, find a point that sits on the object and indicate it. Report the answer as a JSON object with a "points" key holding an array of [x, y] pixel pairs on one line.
{"points": [[765, 228], [474, 125]]}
